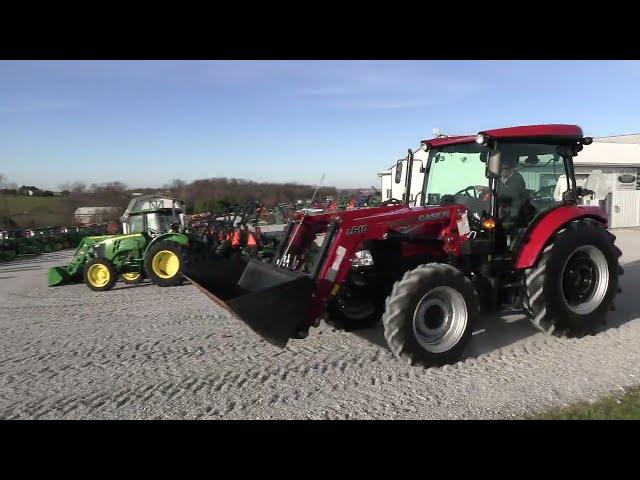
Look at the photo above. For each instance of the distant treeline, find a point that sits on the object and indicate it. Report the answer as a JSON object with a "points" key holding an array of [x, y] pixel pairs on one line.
{"points": [[205, 195], [214, 194]]}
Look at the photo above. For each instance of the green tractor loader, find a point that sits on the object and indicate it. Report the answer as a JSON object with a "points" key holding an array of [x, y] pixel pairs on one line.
{"points": [[153, 245]]}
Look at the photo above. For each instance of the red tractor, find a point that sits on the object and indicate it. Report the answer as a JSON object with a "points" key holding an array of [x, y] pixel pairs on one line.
{"points": [[486, 234]]}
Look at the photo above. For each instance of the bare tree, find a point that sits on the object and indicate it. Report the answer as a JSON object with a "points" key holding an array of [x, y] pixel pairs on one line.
{"points": [[78, 187]]}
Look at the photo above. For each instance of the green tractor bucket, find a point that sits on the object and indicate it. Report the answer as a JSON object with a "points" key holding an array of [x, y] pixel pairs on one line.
{"points": [[59, 276]]}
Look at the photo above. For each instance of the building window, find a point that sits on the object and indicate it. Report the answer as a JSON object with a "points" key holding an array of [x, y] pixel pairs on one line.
{"points": [[388, 193]]}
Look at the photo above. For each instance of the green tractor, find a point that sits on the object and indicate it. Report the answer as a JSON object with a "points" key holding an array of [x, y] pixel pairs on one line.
{"points": [[152, 246]]}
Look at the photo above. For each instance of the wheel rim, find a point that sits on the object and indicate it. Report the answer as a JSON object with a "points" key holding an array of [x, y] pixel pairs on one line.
{"points": [[585, 279], [98, 275], [165, 264], [440, 319], [131, 276]]}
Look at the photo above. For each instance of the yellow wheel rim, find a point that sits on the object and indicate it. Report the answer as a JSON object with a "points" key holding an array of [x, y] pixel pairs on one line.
{"points": [[98, 275], [131, 276], [165, 264]]}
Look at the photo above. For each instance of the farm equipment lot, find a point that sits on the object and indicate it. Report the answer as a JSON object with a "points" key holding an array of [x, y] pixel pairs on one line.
{"points": [[148, 352]]}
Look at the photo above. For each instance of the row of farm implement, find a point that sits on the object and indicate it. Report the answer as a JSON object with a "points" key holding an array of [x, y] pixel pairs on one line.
{"points": [[44, 240]]}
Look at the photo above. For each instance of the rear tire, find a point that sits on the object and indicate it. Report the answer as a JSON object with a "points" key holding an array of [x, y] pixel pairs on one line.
{"points": [[429, 314], [163, 264], [100, 274], [573, 285], [349, 314]]}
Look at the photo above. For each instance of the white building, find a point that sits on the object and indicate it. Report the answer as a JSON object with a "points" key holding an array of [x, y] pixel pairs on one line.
{"points": [[89, 215], [391, 189], [618, 158]]}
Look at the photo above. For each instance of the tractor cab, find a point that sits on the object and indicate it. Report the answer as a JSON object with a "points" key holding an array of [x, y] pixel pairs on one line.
{"points": [[153, 215], [152, 222], [505, 178]]}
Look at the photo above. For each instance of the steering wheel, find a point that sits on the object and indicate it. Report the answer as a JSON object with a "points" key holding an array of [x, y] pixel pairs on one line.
{"points": [[391, 201], [467, 190]]}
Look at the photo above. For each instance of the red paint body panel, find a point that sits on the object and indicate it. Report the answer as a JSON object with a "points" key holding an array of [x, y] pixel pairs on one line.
{"points": [[454, 140], [374, 223], [569, 133], [550, 224]]}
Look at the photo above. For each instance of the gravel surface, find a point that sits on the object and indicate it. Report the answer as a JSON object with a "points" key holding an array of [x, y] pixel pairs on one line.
{"points": [[149, 352]]}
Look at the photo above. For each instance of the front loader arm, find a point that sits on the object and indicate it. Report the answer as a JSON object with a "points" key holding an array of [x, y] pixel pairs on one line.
{"points": [[282, 299], [348, 232]]}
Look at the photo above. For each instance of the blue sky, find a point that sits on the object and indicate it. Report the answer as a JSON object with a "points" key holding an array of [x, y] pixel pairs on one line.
{"points": [[147, 122]]}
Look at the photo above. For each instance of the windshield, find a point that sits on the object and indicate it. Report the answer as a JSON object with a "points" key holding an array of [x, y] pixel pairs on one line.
{"points": [[453, 169], [456, 174], [159, 222], [533, 178], [136, 224]]}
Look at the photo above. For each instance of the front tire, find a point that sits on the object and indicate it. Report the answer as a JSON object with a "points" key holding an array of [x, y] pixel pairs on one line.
{"points": [[100, 274], [429, 315], [163, 264], [573, 285]]}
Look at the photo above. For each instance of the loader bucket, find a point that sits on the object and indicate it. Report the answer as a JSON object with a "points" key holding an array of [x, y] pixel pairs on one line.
{"points": [[59, 276], [273, 302]]}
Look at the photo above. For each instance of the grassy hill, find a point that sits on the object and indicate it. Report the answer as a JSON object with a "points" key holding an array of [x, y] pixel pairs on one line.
{"points": [[30, 212]]}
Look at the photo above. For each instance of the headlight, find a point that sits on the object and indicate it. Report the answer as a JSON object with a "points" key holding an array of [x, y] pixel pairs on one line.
{"points": [[424, 147], [481, 139], [362, 258]]}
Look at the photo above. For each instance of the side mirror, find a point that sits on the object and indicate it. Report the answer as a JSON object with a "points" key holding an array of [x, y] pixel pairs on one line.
{"points": [[584, 192], [399, 171], [493, 164]]}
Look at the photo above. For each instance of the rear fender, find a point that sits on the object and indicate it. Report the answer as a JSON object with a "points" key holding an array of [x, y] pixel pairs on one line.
{"points": [[537, 236], [179, 238]]}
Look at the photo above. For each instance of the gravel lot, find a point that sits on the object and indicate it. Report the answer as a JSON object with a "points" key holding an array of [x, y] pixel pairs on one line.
{"points": [[148, 352]]}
